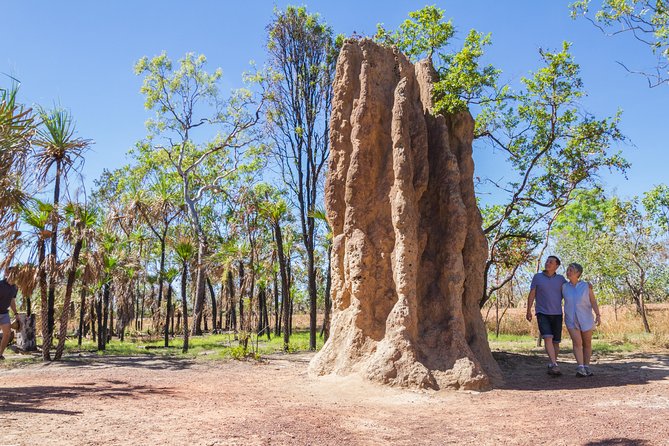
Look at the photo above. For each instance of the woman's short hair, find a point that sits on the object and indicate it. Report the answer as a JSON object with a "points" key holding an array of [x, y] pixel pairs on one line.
{"points": [[577, 267]]}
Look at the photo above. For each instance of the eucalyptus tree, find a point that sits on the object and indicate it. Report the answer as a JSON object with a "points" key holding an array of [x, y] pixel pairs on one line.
{"points": [[207, 139], [58, 152], [550, 146], [646, 20], [586, 232], [643, 246], [656, 202], [302, 57], [622, 245], [554, 148]]}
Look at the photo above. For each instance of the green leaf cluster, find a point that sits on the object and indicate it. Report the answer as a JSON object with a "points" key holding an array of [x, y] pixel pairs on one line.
{"points": [[462, 79]]}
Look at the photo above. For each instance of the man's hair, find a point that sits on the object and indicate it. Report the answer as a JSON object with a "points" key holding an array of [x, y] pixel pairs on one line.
{"points": [[557, 260]]}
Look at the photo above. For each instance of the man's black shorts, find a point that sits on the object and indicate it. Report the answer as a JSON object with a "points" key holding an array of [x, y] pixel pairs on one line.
{"points": [[550, 325]]}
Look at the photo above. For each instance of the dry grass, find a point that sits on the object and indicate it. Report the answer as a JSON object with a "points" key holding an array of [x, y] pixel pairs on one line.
{"points": [[618, 327]]}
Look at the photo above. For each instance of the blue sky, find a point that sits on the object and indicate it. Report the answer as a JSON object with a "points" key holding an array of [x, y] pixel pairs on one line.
{"points": [[80, 54]]}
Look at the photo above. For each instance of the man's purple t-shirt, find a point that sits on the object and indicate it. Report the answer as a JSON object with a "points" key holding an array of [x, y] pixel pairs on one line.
{"points": [[548, 296]]}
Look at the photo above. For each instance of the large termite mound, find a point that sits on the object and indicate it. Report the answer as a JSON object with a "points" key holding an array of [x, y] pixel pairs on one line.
{"points": [[408, 249]]}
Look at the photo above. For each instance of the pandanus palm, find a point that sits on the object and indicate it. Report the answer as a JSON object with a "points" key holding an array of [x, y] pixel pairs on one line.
{"points": [[320, 214], [59, 149], [274, 212], [36, 214], [158, 208], [80, 229], [16, 132]]}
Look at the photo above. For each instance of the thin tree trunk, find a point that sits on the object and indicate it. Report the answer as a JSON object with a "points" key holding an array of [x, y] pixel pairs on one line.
{"points": [[46, 345], [241, 296], [101, 330], [200, 287], [277, 323], [141, 317], [104, 334], [290, 321], [221, 308], [53, 264], [231, 302], [644, 316], [168, 312], [82, 313], [285, 285], [64, 317], [184, 306], [111, 318], [312, 299], [325, 332], [213, 305], [93, 318]]}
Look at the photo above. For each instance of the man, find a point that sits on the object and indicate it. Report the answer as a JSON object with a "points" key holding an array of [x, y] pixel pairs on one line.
{"points": [[7, 300], [546, 289]]}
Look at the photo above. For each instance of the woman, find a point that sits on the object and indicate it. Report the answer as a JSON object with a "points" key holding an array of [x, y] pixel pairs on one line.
{"points": [[579, 303]]}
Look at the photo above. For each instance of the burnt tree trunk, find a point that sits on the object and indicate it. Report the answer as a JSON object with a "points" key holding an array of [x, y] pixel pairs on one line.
{"points": [[169, 311], [231, 302], [82, 314]]}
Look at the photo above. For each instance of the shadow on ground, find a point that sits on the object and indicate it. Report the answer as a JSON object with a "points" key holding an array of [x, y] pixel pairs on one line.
{"points": [[36, 399], [618, 442], [528, 372], [143, 362]]}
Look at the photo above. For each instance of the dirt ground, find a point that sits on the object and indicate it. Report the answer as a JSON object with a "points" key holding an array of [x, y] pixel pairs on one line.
{"points": [[149, 401]]}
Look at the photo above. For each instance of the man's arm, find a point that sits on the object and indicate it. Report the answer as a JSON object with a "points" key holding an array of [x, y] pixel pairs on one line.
{"points": [[530, 302], [12, 304]]}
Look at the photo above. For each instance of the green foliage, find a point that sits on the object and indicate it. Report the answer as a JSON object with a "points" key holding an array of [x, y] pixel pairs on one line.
{"points": [[187, 102], [36, 214], [656, 202], [17, 129], [619, 243], [220, 346], [553, 149], [462, 80], [423, 33], [646, 20], [59, 146]]}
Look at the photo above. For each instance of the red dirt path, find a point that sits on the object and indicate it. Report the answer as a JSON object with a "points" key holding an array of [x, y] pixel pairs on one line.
{"points": [[151, 401]]}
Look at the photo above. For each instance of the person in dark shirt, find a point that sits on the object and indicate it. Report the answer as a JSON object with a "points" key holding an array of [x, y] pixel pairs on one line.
{"points": [[546, 290], [7, 300]]}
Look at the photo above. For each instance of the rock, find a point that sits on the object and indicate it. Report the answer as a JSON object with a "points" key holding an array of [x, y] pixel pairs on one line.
{"points": [[408, 249]]}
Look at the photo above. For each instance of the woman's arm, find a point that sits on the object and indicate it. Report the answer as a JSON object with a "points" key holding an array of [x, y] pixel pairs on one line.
{"points": [[593, 303]]}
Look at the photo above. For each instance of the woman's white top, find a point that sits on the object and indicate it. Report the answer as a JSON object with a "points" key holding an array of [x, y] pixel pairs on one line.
{"points": [[577, 307]]}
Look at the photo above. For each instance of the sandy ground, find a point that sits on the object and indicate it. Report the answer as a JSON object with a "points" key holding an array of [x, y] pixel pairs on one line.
{"points": [[151, 401]]}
